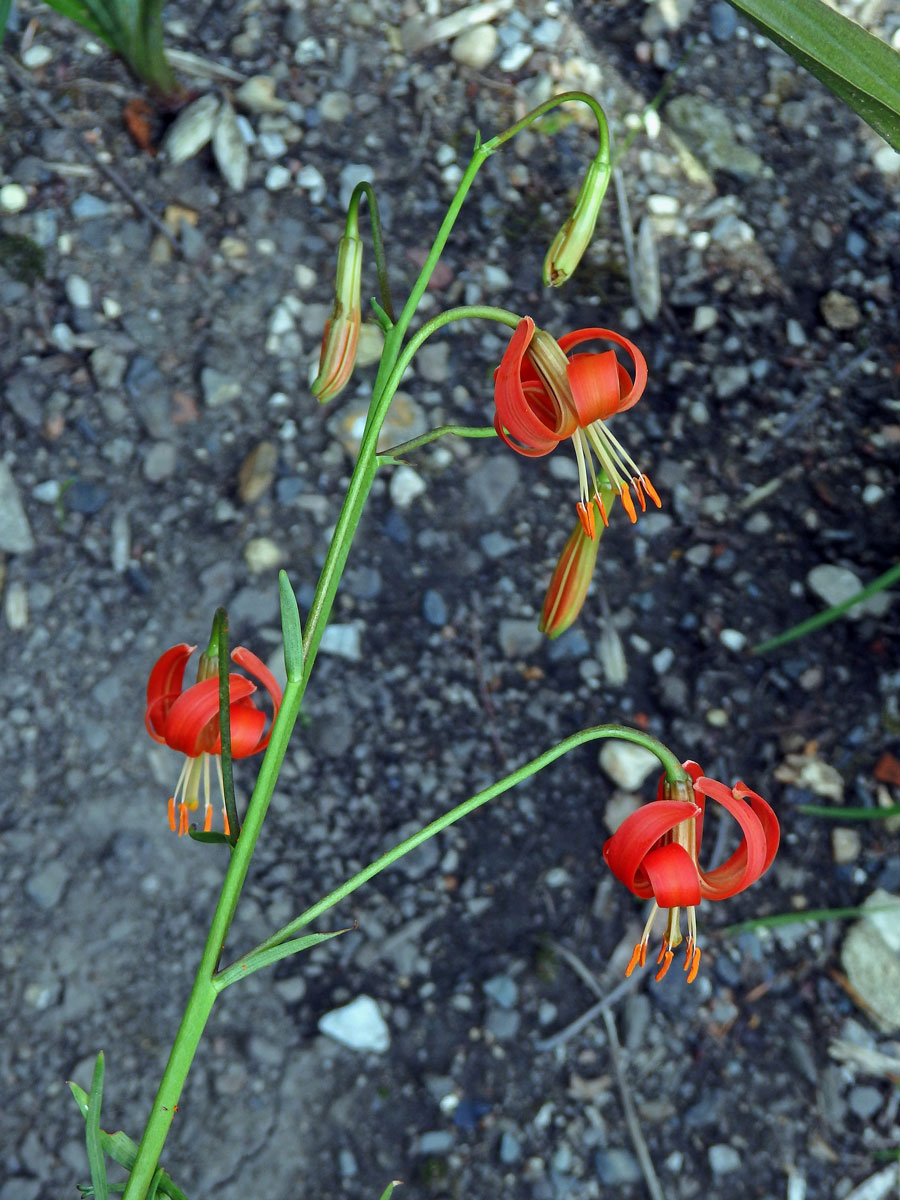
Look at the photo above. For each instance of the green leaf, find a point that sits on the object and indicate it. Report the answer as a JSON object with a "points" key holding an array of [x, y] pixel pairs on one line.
{"points": [[291, 629], [80, 12], [850, 814], [211, 835], [121, 1149], [386, 1194], [96, 1161], [5, 8], [860, 69], [254, 961], [830, 614]]}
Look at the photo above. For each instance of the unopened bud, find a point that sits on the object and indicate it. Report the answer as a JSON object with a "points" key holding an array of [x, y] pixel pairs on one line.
{"points": [[574, 238], [341, 338]]}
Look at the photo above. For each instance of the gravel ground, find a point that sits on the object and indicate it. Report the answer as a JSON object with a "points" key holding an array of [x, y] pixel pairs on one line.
{"points": [[139, 378]]}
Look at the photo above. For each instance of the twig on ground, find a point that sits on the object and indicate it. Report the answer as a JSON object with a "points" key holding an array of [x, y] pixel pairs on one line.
{"points": [[615, 1053], [113, 176]]}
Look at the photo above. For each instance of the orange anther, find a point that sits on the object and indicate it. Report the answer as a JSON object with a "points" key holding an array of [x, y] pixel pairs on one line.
{"points": [[628, 503], [172, 813], [688, 952], [207, 820], [639, 493], [603, 517], [651, 490], [225, 820], [663, 951], [586, 517], [635, 959], [695, 965], [182, 818], [666, 964]]}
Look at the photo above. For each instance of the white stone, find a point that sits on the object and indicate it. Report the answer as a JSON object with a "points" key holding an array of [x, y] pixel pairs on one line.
{"points": [[78, 292], [733, 639], [312, 180], [846, 844], [835, 584], [619, 806], [277, 178], [335, 106], [516, 57], [358, 1025], [263, 554], [476, 47], [16, 606], [343, 641], [370, 344], [13, 197], [36, 56], [627, 764], [873, 493], [704, 318], [406, 486]]}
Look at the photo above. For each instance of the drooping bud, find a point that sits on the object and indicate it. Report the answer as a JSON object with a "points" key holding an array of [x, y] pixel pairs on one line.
{"points": [[574, 572], [574, 238], [341, 338]]}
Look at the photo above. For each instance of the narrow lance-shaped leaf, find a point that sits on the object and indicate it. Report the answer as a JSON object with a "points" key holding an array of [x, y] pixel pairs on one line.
{"points": [[290, 628], [859, 68]]}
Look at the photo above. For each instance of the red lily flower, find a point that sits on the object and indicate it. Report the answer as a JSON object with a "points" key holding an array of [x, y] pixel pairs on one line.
{"points": [[654, 853], [542, 396], [188, 721]]}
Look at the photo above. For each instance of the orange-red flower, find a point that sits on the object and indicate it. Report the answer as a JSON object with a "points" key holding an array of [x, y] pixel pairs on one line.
{"points": [[188, 721], [654, 852], [543, 396]]}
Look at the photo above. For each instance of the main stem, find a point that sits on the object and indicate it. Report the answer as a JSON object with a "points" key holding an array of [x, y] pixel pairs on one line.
{"points": [[206, 987]]}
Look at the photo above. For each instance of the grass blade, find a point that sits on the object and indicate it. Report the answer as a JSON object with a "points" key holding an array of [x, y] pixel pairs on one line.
{"points": [[96, 1159]]}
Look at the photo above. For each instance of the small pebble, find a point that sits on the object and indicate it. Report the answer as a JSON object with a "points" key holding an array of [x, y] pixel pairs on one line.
{"points": [[733, 639], [16, 606], [434, 608], [358, 1024], [475, 47], [159, 462], [846, 845], [263, 554], [406, 486], [36, 56], [724, 1159], [277, 178], [13, 198], [627, 764]]}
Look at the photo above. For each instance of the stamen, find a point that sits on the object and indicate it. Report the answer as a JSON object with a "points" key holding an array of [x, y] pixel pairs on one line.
{"points": [[663, 951], [225, 822], [666, 964], [636, 481], [637, 954], [688, 952], [172, 813], [628, 503], [586, 517], [650, 489], [695, 965], [207, 820], [182, 818], [603, 517]]}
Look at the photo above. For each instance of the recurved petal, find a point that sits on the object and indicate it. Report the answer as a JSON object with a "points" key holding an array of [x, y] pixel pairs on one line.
{"points": [[526, 417], [596, 385], [636, 388], [673, 876], [247, 723], [250, 662], [164, 686], [638, 833], [195, 708], [749, 860]]}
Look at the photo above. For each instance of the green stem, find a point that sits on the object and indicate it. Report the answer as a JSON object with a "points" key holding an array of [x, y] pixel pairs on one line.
{"points": [[390, 371], [221, 638], [467, 431], [365, 189], [670, 764]]}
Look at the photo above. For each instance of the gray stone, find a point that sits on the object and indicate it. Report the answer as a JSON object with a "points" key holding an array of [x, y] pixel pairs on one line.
{"points": [[87, 207], [475, 47], [45, 886], [709, 134], [510, 1149], [502, 989], [518, 638], [358, 1025], [219, 388], [617, 1166], [723, 1159], [15, 532], [159, 462], [435, 1142], [865, 1101], [491, 485], [107, 367], [434, 608], [835, 584], [503, 1023], [343, 641]]}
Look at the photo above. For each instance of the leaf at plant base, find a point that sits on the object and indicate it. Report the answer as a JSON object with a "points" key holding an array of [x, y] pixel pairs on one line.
{"points": [[859, 68], [229, 148], [388, 1191], [96, 1159], [88, 16], [191, 129]]}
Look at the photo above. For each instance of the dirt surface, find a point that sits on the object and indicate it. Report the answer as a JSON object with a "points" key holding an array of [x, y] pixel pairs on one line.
{"points": [[137, 380]]}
